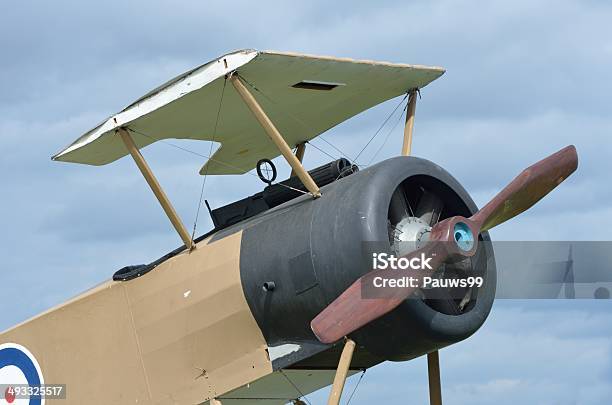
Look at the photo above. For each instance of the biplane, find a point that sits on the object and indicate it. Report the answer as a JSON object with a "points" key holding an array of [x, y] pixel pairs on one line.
{"points": [[267, 307]]}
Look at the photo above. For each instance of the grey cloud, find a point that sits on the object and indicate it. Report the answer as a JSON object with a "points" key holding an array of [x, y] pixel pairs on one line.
{"points": [[487, 46]]}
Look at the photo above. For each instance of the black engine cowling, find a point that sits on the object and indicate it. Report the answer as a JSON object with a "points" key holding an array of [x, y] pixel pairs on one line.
{"points": [[311, 250]]}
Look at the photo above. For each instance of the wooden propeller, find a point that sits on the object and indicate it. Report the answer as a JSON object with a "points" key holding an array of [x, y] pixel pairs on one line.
{"points": [[450, 239]]}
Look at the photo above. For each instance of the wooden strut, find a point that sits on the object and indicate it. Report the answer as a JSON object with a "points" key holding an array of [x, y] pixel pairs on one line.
{"points": [[433, 371], [275, 136], [433, 358], [156, 188], [408, 128], [299, 153], [341, 373]]}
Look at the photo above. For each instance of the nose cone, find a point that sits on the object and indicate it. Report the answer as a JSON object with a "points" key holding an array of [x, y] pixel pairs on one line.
{"points": [[464, 237]]}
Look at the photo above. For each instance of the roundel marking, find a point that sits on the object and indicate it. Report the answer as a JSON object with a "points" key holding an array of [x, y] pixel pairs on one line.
{"points": [[19, 366]]}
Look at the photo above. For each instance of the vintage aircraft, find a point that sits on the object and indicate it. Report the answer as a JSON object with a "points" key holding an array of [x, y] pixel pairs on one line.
{"points": [[267, 307]]}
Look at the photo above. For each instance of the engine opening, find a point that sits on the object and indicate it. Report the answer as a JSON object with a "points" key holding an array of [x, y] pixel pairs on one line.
{"points": [[417, 204]]}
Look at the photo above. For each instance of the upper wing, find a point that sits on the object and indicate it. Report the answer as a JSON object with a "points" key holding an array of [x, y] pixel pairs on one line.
{"points": [[186, 107]]}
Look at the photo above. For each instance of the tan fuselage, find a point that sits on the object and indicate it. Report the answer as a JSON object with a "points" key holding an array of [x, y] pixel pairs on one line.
{"points": [[155, 339]]}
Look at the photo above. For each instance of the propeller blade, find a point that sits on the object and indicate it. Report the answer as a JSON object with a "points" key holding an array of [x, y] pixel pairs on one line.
{"points": [[527, 188], [454, 237]]}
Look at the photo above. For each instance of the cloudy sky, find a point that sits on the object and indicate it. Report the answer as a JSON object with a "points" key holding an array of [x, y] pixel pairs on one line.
{"points": [[523, 79]]}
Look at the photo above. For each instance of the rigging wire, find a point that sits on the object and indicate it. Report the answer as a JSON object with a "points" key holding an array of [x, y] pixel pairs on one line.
{"points": [[388, 135], [337, 149], [356, 386], [293, 188], [381, 126], [212, 142], [296, 387], [320, 150]]}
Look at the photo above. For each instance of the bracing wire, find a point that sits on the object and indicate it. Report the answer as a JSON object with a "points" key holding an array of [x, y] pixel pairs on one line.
{"points": [[195, 222], [296, 387], [337, 149], [388, 135], [356, 386], [320, 150], [293, 188], [381, 126]]}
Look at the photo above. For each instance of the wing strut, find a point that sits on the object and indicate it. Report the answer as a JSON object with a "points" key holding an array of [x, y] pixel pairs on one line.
{"points": [[407, 146], [341, 372], [275, 136], [156, 187], [433, 358]]}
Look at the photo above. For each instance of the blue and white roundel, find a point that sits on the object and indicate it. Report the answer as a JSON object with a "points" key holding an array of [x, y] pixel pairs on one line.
{"points": [[18, 367]]}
